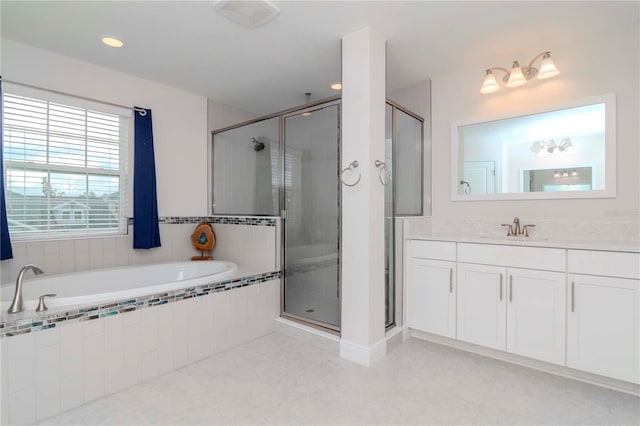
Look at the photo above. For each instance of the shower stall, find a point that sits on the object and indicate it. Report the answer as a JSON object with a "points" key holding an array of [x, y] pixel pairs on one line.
{"points": [[287, 165]]}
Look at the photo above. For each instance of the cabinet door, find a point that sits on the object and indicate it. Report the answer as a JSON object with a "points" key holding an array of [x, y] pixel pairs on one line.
{"points": [[481, 305], [431, 299], [602, 326], [536, 303]]}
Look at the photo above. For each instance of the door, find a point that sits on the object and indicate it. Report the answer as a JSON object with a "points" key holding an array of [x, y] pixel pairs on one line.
{"points": [[311, 223], [536, 314], [481, 305], [479, 178], [603, 326], [431, 298]]}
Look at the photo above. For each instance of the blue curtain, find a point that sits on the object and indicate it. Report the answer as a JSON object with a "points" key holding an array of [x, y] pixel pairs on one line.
{"points": [[146, 231], [5, 240]]}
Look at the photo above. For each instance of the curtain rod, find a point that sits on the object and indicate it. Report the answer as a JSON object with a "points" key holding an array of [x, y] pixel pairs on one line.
{"points": [[142, 111]]}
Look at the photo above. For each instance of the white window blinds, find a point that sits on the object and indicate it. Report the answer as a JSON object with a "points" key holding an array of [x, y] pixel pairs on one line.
{"points": [[65, 167]]}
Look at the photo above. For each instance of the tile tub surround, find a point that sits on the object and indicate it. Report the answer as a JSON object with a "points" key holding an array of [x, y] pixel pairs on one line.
{"points": [[247, 241], [50, 371], [30, 321]]}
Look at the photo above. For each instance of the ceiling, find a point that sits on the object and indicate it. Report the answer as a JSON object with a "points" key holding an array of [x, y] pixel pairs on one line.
{"points": [[189, 45]]}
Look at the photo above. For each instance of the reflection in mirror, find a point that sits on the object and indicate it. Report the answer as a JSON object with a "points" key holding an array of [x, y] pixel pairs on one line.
{"points": [[563, 150]]}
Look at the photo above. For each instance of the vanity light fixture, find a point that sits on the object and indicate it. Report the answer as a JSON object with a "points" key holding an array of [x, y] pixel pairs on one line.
{"points": [[565, 173], [518, 75], [541, 147]]}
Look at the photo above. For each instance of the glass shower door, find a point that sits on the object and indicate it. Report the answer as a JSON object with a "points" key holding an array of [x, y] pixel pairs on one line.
{"points": [[311, 199]]}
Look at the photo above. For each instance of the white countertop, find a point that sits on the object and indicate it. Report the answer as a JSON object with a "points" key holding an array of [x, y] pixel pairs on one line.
{"points": [[621, 246]]}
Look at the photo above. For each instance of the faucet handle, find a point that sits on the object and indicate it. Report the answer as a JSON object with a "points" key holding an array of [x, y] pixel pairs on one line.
{"points": [[41, 306], [510, 230], [524, 229]]}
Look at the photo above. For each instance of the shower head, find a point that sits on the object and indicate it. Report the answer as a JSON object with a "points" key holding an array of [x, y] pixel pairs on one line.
{"points": [[259, 146]]}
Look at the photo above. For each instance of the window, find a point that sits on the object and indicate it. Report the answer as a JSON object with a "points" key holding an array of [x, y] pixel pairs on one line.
{"points": [[65, 166]]}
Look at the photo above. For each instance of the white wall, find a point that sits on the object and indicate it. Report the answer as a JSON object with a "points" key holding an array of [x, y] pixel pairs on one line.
{"points": [[179, 118], [602, 63]]}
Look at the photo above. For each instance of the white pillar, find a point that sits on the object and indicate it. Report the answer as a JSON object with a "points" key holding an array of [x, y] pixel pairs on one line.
{"points": [[363, 133]]}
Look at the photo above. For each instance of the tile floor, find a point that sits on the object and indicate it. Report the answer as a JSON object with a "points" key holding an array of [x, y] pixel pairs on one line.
{"points": [[279, 379]]}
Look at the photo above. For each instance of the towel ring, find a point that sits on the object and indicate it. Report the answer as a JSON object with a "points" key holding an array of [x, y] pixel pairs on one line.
{"points": [[354, 165], [382, 169]]}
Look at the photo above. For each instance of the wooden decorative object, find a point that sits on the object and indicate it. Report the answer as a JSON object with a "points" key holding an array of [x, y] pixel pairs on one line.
{"points": [[203, 239]]}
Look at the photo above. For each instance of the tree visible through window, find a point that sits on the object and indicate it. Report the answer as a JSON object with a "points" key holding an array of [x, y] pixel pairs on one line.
{"points": [[65, 168]]}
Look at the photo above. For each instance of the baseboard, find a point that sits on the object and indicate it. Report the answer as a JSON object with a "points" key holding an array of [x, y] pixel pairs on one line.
{"points": [[546, 367], [363, 355], [394, 337]]}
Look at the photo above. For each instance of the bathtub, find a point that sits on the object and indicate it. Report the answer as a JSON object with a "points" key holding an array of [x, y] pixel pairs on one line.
{"points": [[105, 285]]}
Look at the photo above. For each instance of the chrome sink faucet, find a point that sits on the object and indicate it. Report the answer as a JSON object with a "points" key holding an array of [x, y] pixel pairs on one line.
{"points": [[17, 305], [515, 230]]}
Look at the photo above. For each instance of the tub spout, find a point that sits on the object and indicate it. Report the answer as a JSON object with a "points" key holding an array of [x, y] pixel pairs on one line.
{"points": [[17, 305]]}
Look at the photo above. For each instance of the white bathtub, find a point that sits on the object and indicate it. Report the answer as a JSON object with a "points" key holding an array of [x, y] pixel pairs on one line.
{"points": [[105, 285]]}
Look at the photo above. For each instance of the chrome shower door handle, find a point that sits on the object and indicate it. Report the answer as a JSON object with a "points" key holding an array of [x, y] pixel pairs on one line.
{"points": [[353, 165], [382, 171]]}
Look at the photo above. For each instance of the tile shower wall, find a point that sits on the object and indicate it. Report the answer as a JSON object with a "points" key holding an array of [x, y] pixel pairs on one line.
{"points": [[50, 371], [252, 245]]}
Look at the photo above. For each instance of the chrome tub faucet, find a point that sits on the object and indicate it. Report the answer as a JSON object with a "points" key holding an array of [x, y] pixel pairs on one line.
{"points": [[17, 305]]}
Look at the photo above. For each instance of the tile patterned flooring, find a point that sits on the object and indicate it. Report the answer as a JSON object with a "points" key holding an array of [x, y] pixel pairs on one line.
{"points": [[279, 379]]}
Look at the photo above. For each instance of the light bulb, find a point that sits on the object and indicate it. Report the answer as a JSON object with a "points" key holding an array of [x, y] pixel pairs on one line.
{"points": [[574, 172], [556, 174], [489, 85], [516, 78], [547, 67]]}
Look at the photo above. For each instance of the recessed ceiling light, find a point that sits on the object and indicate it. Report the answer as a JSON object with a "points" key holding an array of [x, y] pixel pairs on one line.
{"points": [[112, 41], [336, 86]]}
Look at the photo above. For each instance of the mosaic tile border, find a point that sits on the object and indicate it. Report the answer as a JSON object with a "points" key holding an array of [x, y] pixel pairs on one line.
{"points": [[47, 321], [223, 220]]}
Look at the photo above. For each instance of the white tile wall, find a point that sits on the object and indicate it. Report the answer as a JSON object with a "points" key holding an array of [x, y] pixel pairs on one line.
{"points": [[114, 354], [93, 354], [166, 356], [4, 383], [47, 373], [252, 246], [50, 371], [71, 344]]}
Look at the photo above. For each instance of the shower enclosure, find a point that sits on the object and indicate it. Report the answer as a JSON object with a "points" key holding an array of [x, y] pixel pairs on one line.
{"points": [[287, 165]]}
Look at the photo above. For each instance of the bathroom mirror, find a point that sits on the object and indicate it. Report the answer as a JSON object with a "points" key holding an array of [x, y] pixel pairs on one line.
{"points": [[562, 151]]}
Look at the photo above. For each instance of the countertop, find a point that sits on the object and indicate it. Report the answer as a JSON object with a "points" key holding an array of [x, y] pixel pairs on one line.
{"points": [[620, 246]]}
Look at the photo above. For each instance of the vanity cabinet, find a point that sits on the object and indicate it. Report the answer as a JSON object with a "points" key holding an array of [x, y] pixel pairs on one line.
{"points": [[603, 323], [520, 311], [512, 298], [569, 307], [431, 287]]}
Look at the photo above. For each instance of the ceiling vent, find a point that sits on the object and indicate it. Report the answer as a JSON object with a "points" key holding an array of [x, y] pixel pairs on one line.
{"points": [[249, 14]]}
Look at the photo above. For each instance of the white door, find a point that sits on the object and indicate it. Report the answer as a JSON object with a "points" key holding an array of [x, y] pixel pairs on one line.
{"points": [[536, 302], [431, 298], [602, 326], [481, 305], [480, 177]]}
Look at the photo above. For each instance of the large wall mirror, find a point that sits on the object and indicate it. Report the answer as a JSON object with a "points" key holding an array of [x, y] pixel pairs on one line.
{"points": [[562, 151]]}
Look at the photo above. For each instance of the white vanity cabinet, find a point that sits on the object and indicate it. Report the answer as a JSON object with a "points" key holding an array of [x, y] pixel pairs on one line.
{"points": [[603, 323], [518, 310], [431, 287]]}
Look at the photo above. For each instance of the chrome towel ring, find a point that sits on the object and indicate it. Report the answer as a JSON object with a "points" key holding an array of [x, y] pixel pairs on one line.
{"points": [[353, 165], [382, 169]]}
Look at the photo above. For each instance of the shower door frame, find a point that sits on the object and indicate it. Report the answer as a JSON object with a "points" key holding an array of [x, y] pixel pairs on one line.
{"points": [[398, 294], [283, 215]]}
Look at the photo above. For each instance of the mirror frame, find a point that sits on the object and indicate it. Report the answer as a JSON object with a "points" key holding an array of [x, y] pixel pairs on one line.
{"points": [[610, 154]]}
